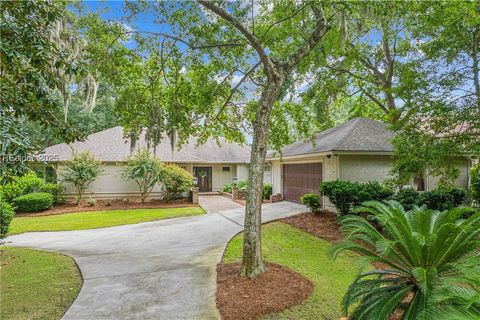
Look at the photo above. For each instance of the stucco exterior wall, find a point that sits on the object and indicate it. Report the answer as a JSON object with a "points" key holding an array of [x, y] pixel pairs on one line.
{"points": [[220, 178], [364, 168], [242, 172], [109, 184], [460, 182]]}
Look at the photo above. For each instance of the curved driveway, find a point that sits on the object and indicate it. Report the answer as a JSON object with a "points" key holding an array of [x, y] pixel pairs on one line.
{"points": [[154, 270]]}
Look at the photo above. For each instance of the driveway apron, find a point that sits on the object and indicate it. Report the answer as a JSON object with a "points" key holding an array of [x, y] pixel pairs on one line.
{"points": [[153, 270]]}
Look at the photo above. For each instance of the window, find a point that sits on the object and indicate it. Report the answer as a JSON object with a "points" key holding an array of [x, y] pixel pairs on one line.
{"points": [[419, 183], [226, 169], [50, 175]]}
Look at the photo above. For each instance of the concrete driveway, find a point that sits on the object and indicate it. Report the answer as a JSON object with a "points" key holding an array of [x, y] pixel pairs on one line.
{"points": [[153, 270]]}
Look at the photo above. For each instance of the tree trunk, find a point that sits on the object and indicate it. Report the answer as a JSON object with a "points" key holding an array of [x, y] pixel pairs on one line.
{"points": [[475, 66], [252, 264]]}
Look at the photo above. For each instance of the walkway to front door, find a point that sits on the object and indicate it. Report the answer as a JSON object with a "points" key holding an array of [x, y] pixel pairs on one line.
{"points": [[217, 203]]}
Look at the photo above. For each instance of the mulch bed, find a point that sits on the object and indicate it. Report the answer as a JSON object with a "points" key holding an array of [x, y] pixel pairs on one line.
{"points": [[323, 225], [275, 290], [71, 207]]}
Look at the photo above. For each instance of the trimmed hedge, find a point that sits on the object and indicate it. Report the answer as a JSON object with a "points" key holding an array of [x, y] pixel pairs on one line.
{"points": [[442, 199], [32, 202], [21, 185], [345, 194], [6, 216], [55, 190], [407, 197]]}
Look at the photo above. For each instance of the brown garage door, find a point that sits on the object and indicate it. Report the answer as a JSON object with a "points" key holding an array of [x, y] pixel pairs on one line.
{"points": [[299, 179]]}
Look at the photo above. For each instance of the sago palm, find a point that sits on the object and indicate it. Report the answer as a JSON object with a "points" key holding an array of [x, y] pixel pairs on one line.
{"points": [[429, 263]]}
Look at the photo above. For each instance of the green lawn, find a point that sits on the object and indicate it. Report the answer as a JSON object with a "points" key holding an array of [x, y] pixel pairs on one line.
{"points": [[97, 219], [308, 255], [36, 284]]}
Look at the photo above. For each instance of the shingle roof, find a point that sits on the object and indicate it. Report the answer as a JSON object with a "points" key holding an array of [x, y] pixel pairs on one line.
{"points": [[110, 145], [356, 135]]}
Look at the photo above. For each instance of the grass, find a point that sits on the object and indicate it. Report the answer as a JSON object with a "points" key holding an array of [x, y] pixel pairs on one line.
{"points": [[36, 284], [97, 219], [308, 255]]}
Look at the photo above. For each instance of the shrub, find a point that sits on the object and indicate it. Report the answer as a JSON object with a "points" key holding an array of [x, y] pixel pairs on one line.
{"points": [[91, 202], [312, 201], [267, 191], [56, 190], [242, 185], [82, 171], [431, 263], [407, 197], [108, 202], [475, 181], [175, 181], [345, 194], [442, 200], [31, 202], [144, 169], [19, 186], [228, 188], [125, 200], [6, 216]]}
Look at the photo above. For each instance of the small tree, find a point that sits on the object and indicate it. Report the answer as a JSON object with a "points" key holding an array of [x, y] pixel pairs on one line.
{"points": [[175, 181], [145, 170], [6, 216], [82, 171]]}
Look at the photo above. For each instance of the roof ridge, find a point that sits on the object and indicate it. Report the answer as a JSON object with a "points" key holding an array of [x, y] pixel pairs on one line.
{"points": [[354, 122]]}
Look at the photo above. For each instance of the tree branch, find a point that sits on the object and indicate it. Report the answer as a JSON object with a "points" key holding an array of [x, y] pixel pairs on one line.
{"points": [[254, 42], [316, 36]]}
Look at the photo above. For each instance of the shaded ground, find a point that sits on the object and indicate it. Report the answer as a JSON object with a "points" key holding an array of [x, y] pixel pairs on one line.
{"points": [[102, 206], [274, 290], [307, 255], [323, 225], [36, 284], [97, 219]]}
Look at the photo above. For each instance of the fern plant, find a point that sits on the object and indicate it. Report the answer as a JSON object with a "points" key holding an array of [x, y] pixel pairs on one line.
{"points": [[429, 263]]}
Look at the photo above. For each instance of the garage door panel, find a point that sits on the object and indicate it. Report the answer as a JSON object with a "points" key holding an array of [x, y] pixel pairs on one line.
{"points": [[299, 179]]}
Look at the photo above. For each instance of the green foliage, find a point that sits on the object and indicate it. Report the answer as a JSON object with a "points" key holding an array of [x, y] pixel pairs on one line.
{"points": [[475, 181], [6, 216], [407, 197], [108, 202], [175, 181], [21, 185], [145, 170], [345, 194], [36, 201], [242, 185], [267, 191], [227, 188], [312, 201], [91, 202], [439, 199], [56, 190], [431, 258], [82, 171]]}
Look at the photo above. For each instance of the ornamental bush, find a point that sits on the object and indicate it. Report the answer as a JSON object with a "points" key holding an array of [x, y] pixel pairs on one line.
{"points": [[6, 216], [438, 199], [312, 201], [345, 194], [32, 202], [56, 190], [407, 197], [175, 181], [242, 185], [227, 188], [267, 191], [21, 185], [430, 263]]}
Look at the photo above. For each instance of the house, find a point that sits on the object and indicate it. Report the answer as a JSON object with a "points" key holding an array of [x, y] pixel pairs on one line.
{"points": [[358, 150], [214, 164]]}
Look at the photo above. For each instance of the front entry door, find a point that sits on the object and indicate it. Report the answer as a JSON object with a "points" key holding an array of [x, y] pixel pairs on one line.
{"points": [[204, 176]]}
